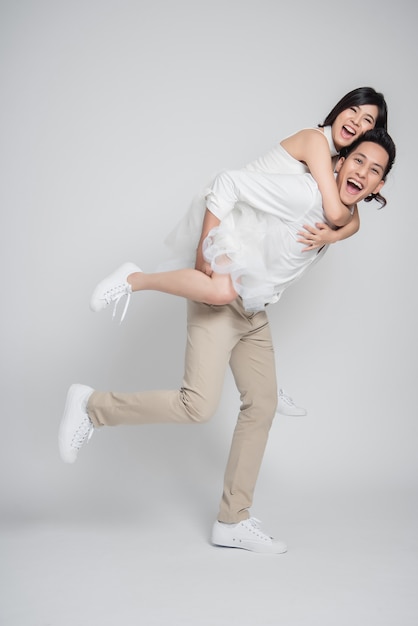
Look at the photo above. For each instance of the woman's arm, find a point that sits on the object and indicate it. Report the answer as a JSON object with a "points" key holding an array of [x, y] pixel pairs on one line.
{"points": [[209, 222], [321, 234], [311, 147]]}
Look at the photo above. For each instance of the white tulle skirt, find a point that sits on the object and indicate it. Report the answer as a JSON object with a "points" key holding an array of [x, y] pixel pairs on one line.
{"points": [[259, 250]]}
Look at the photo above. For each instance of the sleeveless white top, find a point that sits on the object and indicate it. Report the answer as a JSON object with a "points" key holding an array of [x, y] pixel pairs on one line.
{"points": [[279, 161]]}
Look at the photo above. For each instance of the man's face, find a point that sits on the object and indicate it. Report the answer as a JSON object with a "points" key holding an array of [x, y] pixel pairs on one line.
{"points": [[361, 173]]}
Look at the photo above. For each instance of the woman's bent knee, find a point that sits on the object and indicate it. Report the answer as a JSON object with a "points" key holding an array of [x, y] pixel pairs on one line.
{"points": [[224, 292]]}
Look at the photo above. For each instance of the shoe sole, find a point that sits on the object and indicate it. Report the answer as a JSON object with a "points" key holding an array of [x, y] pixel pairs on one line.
{"points": [[219, 539], [259, 548], [68, 456]]}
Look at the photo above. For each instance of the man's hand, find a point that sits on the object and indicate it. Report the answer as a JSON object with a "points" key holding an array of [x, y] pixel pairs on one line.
{"points": [[209, 222], [201, 264], [314, 237]]}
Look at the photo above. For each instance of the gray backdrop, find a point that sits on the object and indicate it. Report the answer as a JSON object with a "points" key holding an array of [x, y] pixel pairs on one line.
{"points": [[114, 114]]}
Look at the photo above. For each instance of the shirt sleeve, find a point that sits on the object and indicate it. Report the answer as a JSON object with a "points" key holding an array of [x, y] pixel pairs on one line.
{"points": [[285, 196]]}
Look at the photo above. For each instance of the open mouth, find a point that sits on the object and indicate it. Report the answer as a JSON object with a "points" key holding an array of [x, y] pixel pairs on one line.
{"points": [[347, 132], [353, 186]]}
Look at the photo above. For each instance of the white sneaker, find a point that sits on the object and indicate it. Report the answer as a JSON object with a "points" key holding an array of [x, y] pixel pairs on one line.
{"points": [[76, 427], [246, 535], [113, 288], [286, 406]]}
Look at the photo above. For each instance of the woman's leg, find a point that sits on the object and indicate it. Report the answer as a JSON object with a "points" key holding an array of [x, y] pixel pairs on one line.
{"points": [[192, 284], [188, 283]]}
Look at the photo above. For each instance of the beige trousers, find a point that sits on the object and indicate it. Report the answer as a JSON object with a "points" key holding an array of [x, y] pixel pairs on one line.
{"points": [[216, 336]]}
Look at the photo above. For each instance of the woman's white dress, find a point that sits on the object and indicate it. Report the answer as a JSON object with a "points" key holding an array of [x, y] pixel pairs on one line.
{"points": [[262, 207]]}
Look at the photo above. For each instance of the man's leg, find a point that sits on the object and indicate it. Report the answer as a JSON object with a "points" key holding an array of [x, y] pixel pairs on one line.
{"points": [[210, 340], [211, 335], [253, 366]]}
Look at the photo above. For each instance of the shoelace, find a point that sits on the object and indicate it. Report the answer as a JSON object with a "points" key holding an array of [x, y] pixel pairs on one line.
{"points": [[117, 300], [256, 524], [283, 396], [115, 295], [84, 432]]}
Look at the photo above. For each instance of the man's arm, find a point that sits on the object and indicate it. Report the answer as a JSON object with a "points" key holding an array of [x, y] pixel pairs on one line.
{"points": [[209, 222], [321, 234]]}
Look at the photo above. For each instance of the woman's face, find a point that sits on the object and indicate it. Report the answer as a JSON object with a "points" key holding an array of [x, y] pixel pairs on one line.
{"points": [[352, 123]]}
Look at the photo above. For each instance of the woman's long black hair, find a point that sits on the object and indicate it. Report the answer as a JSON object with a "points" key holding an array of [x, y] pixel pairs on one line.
{"points": [[359, 97]]}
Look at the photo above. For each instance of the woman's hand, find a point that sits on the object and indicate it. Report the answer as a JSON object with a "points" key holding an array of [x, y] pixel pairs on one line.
{"points": [[314, 237]]}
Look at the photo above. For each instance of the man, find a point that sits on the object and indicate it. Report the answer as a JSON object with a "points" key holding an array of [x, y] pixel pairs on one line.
{"points": [[218, 335]]}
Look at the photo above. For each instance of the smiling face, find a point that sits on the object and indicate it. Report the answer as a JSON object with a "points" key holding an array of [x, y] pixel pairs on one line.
{"points": [[351, 123], [361, 173]]}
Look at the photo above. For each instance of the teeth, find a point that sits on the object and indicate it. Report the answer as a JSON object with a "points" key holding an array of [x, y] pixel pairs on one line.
{"points": [[350, 130], [357, 184]]}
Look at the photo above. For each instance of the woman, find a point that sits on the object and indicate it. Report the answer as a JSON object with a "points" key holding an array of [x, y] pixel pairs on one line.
{"points": [[243, 229], [314, 150]]}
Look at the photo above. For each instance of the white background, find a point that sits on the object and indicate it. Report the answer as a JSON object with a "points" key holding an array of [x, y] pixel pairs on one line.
{"points": [[114, 114]]}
